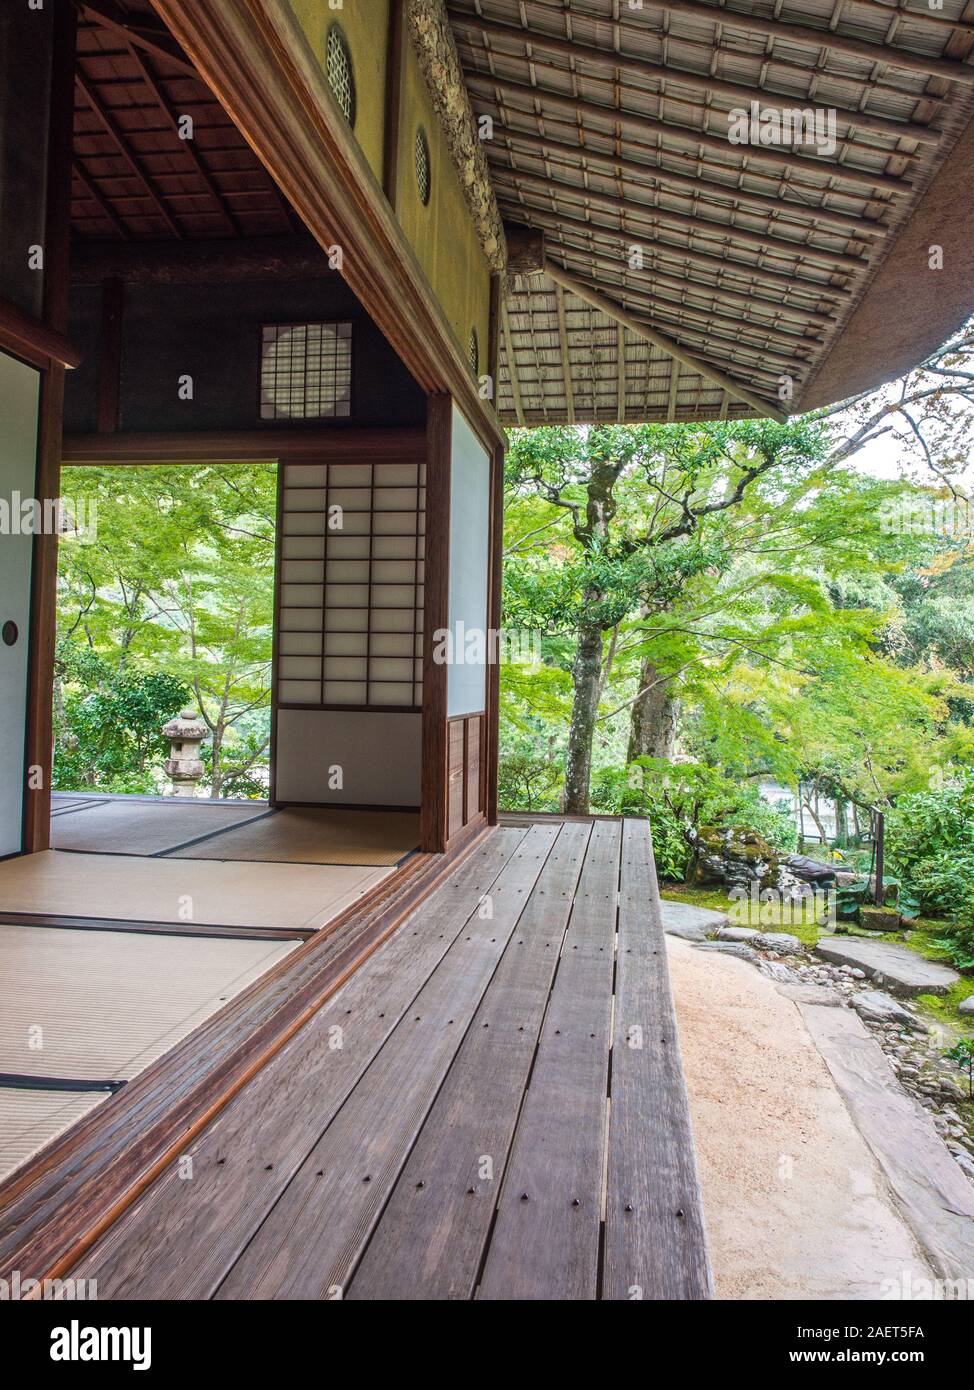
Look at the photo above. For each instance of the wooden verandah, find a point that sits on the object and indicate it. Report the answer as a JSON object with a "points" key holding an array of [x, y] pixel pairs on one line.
{"points": [[491, 1106]]}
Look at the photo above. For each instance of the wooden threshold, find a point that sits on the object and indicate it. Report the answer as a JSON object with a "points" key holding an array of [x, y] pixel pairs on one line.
{"points": [[119, 924], [57, 1205]]}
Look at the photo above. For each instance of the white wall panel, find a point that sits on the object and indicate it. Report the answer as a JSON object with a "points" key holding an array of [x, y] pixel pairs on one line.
{"points": [[469, 544]]}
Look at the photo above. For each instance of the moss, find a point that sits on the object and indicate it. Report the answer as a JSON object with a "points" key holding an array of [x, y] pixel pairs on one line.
{"points": [[745, 913]]}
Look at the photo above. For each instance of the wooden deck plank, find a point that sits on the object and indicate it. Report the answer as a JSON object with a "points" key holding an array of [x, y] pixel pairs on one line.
{"points": [[182, 1237], [655, 1245], [545, 1243], [310, 1242], [430, 1239]]}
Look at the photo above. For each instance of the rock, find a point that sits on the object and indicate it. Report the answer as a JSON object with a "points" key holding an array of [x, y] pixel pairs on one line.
{"points": [[781, 941], [747, 934], [966, 1006], [775, 971], [810, 870], [896, 967], [877, 1007], [688, 922], [730, 948], [965, 1163]]}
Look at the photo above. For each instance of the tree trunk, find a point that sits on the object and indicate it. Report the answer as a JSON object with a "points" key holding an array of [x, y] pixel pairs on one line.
{"points": [[653, 723], [587, 678]]}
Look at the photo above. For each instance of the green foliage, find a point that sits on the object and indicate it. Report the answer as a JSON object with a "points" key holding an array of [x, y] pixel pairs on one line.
{"points": [[107, 730], [679, 799], [930, 839], [177, 587], [963, 1054]]}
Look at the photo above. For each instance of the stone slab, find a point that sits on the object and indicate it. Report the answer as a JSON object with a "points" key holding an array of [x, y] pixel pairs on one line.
{"points": [[897, 968], [688, 922]]}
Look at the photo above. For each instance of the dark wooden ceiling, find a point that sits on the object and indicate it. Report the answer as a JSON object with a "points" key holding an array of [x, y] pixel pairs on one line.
{"points": [[135, 177]]}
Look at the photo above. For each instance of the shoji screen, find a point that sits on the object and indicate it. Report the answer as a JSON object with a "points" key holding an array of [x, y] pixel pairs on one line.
{"points": [[351, 595], [350, 633]]}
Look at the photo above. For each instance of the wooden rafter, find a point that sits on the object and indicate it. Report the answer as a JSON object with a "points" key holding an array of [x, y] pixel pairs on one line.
{"points": [[777, 208], [512, 364], [110, 127], [651, 125], [186, 145], [566, 356], [822, 38], [642, 69], [143, 32], [644, 329], [637, 210]]}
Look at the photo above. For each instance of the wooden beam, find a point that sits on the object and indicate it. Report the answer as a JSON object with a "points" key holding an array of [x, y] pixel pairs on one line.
{"points": [[821, 38], [773, 207], [111, 129], [434, 809], [37, 342], [218, 261], [492, 715], [644, 329], [248, 446], [927, 16], [153, 37], [675, 389], [689, 135], [642, 69], [110, 363], [578, 196], [566, 360], [187, 146], [512, 362]]}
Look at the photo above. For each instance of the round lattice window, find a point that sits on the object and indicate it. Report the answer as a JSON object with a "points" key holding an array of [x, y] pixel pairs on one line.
{"points": [[422, 167], [338, 62], [473, 352]]}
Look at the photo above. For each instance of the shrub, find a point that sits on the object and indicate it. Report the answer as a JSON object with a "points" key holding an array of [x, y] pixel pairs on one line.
{"points": [[679, 798]]}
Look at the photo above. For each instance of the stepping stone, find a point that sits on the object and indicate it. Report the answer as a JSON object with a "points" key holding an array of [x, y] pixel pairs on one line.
{"points": [[746, 934], [730, 948], [897, 968], [688, 922], [966, 1006], [877, 1007], [781, 941]]}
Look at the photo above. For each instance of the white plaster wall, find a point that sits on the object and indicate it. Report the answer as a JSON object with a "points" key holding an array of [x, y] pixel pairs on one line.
{"points": [[19, 399], [469, 543]]}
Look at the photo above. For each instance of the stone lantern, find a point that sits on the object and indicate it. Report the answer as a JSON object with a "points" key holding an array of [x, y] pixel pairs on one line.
{"points": [[184, 764]]}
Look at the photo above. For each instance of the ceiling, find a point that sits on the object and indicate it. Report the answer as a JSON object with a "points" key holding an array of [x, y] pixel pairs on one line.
{"points": [[733, 266]]}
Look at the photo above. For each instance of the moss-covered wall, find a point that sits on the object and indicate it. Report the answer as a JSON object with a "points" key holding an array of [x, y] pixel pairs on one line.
{"points": [[365, 24], [442, 234]]}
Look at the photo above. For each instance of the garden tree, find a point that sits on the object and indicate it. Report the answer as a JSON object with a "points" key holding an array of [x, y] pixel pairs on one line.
{"points": [[179, 581], [640, 503]]}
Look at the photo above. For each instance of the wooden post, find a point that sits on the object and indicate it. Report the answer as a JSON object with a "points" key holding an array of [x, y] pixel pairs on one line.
{"points": [[43, 616], [495, 647], [434, 822], [880, 858]]}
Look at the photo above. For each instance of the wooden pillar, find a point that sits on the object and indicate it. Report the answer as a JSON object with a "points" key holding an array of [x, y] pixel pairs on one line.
{"points": [[43, 621], [494, 624], [434, 830], [395, 52]]}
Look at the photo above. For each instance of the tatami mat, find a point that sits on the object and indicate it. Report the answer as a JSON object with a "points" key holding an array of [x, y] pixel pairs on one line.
{"points": [[177, 890], [124, 826], [305, 835], [31, 1119], [100, 1006]]}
